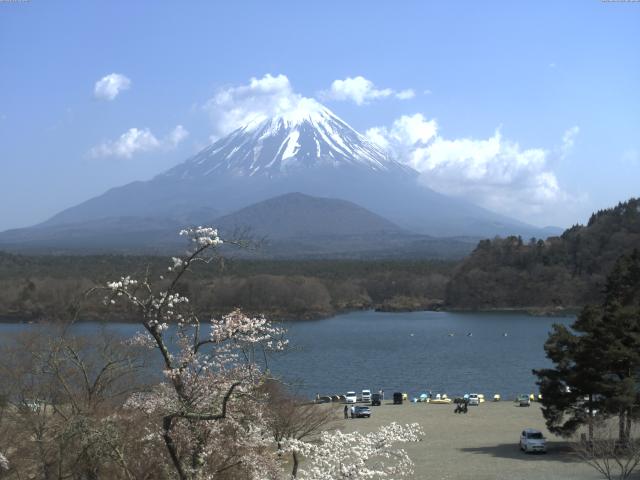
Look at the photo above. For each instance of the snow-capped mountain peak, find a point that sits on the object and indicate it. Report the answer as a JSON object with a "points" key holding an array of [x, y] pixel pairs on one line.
{"points": [[306, 149], [306, 136], [293, 115]]}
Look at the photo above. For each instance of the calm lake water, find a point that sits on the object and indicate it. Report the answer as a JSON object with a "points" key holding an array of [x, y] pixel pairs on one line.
{"points": [[410, 352]]}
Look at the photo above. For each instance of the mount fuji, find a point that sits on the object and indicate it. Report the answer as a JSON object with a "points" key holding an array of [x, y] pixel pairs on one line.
{"points": [[308, 150]]}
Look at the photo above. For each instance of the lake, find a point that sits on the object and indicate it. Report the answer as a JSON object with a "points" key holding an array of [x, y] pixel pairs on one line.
{"points": [[445, 352]]}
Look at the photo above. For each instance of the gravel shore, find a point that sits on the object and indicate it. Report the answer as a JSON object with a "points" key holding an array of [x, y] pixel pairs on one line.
{"points": [[482, 444]]}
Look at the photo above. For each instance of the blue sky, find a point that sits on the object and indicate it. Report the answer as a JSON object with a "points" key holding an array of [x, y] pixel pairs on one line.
{"points": [[530, 109]]}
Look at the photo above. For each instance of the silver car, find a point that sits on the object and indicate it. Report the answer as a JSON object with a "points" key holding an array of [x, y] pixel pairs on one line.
{"points": [[532, 440]]}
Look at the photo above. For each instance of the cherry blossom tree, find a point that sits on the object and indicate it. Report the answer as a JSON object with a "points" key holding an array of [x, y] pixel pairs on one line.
{"points": [[208, 411], [292, 417], [357, 455]]}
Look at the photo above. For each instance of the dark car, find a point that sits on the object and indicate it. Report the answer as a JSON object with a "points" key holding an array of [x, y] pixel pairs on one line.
{"points": [[397, 398], [376, 399], [360, 412]]}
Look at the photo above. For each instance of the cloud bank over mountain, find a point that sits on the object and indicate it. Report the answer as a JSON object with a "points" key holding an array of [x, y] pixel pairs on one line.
{"points": [[262, 98], [272, 95], [495, 172]]}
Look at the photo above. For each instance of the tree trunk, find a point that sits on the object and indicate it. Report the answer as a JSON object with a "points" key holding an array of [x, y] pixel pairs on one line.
{"points": [[296, 463], [627, 433], [590, 419], [622, 427], [167, 424]]}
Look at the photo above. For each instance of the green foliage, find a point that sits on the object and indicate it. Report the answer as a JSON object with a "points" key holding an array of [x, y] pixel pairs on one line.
{"points": [[567, 271], [596, 363]]}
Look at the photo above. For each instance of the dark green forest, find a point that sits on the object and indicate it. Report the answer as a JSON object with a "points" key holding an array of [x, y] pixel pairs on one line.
{"points": [[565, 272], [41, 287]]}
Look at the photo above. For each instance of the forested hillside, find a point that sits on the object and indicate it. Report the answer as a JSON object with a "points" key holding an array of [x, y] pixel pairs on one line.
{"points": [[43, 287], [560, 272]]}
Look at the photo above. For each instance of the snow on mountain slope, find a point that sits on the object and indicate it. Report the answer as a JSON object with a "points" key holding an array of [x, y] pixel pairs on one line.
{"points": [[310, 136]]}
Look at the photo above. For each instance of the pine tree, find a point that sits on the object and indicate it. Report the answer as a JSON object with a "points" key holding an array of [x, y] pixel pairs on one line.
{"points": [[597, 360]]}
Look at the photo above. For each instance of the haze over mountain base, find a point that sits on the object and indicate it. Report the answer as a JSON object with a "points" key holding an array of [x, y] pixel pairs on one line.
{"points": [[255, 169]]}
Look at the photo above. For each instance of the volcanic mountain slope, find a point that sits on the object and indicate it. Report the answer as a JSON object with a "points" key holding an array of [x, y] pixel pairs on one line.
{"points": [[290, 226], [308, 150], [296, 225], [295, 215]]}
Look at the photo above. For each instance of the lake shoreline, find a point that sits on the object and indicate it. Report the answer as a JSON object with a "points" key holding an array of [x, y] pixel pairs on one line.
{"points": [[279, 316]]}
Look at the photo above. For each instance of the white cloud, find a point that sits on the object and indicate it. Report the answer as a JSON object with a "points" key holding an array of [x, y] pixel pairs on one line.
{"points": [[381, 137], [495, 172], [361, 91], [137, 140], [405, 94], [235, 106], [110, 86], [568, 140], [408, 131], [176, 136], [262, 98]]}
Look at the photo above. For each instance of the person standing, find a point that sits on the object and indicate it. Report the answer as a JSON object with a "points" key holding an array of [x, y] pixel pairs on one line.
{"points": [[346, 412], [353, 411]]}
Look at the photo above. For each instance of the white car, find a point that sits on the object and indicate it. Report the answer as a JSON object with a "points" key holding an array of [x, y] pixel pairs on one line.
{"points": [[366, 396], [474, 399], [532, 441], [351, 397]]}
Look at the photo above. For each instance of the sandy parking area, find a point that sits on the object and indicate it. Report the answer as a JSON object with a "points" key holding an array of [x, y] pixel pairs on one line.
{"points": [[482, 444]]}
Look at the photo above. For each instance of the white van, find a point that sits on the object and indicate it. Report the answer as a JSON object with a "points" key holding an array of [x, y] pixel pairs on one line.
{"points": [[366, 396]]}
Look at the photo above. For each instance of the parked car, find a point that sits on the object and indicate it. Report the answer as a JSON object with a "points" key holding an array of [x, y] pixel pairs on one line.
{"points": [[366, 396], [361, 411], [351, 397], [376, 399], [473, 399], [523, 400], [532, 440], [397, 398]]}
